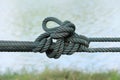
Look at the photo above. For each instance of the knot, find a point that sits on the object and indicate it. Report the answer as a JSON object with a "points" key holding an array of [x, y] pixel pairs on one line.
{"points": [[67, 41], [64, 29]]}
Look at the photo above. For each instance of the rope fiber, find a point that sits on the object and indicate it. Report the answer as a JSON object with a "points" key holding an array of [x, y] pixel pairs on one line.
{"points": [[67, 41]]}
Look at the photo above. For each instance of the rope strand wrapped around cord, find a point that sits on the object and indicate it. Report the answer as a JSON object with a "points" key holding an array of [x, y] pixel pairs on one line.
{"points": [[67, 41]]}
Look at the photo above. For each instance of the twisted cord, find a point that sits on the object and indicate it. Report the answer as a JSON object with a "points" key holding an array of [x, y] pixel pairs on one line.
{"points": [[104, 39], [57, 41], [67, 41]]}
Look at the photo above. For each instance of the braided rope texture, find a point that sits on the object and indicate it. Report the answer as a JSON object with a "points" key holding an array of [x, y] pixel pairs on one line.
{"points": [[58, 40], [67, 41]]}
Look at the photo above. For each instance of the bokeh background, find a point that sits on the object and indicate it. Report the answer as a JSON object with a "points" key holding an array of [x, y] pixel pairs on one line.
{"points": [[21, 20]]}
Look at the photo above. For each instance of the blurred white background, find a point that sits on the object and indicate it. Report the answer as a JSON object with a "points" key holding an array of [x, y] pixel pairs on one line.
{"points": [[21, 20]]}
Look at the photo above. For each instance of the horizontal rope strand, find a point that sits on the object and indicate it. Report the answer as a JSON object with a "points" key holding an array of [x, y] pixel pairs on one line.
{"points": [[66, 41], [27, 46], [104, 39]]}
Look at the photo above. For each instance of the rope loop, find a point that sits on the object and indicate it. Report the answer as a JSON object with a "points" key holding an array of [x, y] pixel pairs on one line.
{"points": [[59, 40], [65, 29], [67, 41]]}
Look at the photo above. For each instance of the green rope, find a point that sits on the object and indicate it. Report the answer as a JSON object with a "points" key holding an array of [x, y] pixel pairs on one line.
{"points": [[67, 41]]}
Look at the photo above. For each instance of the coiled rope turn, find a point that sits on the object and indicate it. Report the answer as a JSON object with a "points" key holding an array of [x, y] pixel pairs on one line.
{"points": [[67, 41]]}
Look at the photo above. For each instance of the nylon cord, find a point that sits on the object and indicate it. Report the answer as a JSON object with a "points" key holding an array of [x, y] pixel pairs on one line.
{"points": [[67, 41]]}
